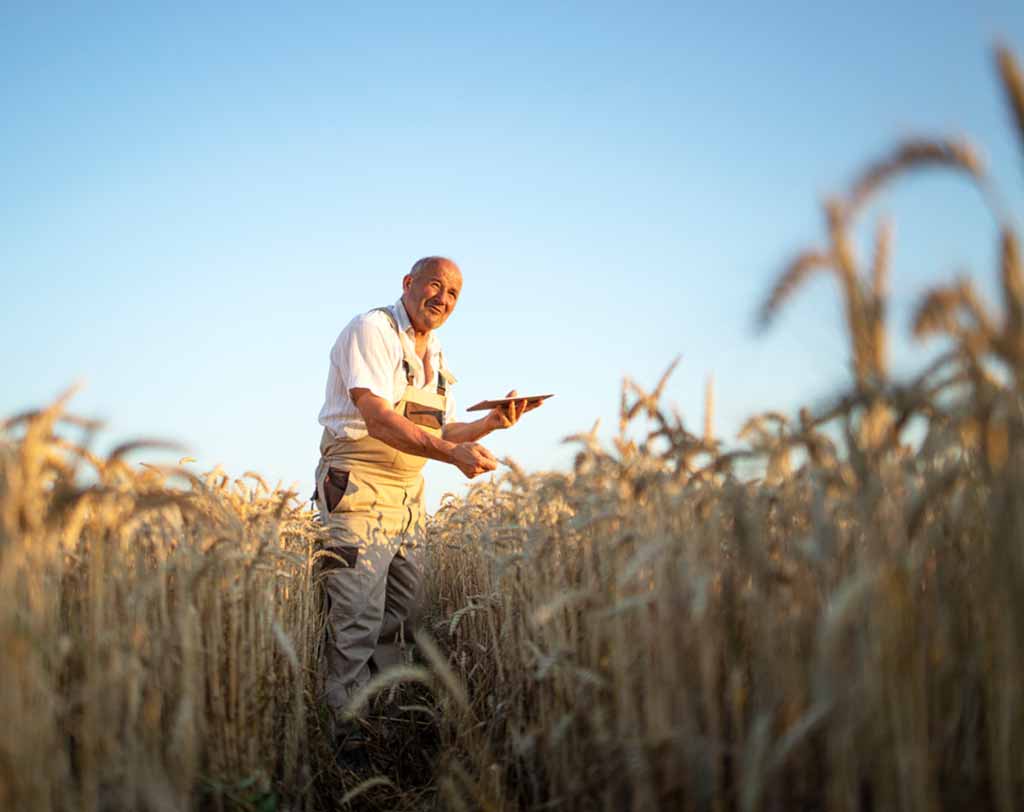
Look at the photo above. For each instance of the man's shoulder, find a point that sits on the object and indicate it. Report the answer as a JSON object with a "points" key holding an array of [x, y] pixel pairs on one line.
{"points": [[373, 324], [377, 319]]}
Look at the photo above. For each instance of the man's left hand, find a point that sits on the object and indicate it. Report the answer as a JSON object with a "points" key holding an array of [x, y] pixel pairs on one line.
{"points": [[507, 415]]}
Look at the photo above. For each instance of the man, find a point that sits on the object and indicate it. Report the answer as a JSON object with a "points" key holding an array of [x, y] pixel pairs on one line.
{"points": [[388, 408]]}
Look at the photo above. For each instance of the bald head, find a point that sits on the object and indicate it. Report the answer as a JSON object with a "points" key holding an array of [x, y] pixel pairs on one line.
{"points": [[430, 291], [428, 264]]}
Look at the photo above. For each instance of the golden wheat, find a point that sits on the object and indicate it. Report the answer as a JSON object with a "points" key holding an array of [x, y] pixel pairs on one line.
{"points": [[647, 630]]}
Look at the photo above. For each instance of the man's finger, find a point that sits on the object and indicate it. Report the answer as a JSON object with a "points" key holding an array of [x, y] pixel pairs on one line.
{"points": [[510, 408]]}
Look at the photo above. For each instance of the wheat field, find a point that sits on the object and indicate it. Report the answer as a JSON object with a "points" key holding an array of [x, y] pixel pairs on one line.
{"points": [[656, 628]]}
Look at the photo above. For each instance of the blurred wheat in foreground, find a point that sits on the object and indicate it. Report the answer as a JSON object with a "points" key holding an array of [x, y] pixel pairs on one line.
{"points": [[648, 631]]}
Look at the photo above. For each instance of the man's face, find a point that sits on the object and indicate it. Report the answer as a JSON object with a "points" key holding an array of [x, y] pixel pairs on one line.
{"points": [[430, 295]]}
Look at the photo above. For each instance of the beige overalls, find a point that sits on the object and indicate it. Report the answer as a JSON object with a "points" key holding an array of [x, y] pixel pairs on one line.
{"points": [[372, 575]]}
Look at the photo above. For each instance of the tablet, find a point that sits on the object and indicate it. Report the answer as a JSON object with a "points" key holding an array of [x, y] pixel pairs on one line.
{"points": [[490, 404]]}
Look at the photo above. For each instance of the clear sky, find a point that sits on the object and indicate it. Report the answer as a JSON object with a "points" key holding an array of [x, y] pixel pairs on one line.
{"points": [[195, 200]]}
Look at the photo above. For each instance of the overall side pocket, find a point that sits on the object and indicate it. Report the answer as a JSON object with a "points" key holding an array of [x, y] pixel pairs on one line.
{"points": [[335, 485]]}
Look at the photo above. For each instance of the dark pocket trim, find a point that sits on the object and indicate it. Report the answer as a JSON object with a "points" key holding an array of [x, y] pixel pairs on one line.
{"points": [[424, 416], [335, 485], [347, 555]]}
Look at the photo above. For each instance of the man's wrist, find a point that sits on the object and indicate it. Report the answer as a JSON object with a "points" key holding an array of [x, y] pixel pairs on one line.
{"points": [[447, 449], [489, 422]]}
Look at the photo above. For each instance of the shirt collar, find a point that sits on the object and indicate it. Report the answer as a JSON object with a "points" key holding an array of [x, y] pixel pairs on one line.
{"points": [[398, 308], [433, 342]]}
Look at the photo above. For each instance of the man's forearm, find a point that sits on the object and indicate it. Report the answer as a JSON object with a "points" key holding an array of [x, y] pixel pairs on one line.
{"points": [[401, 434], [393, 429], [467, 432]]}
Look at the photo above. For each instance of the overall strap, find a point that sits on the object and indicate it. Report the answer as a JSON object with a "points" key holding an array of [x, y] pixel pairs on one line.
{"points": [[442, 382], [394, 323]]}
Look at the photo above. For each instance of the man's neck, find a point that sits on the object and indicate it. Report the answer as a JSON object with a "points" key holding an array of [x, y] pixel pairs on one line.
{"points": [[420, 337]]}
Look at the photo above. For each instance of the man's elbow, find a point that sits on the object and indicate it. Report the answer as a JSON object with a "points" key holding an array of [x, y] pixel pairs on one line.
{"points": [[374, 427], [380, 425]]}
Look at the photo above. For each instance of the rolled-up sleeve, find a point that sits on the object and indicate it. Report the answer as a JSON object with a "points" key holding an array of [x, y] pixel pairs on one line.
{"points": [[366, 358]]}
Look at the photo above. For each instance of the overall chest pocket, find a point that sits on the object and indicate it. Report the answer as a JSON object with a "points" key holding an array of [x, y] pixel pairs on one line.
{"points": [[427, 416]]}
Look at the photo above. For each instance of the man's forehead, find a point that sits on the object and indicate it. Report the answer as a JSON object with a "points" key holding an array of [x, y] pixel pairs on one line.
{"points": [[449, 274]]}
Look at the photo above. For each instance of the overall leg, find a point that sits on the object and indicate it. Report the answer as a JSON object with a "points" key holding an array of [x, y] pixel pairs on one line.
{"points": [[355, 587], [401, 604], [404, 594]]}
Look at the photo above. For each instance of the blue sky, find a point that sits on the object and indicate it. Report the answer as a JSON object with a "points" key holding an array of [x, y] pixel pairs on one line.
{"points": [[195, 201]]}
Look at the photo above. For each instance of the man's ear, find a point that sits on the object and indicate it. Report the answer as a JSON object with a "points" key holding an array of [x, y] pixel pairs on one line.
{"points": [[406, 282]]}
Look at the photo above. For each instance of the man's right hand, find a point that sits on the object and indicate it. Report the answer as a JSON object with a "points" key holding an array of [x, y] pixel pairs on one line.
{"points": [[473, 459]]}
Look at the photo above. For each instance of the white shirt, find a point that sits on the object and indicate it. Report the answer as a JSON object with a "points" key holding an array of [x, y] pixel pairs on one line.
{"points": [[368, 355]]}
